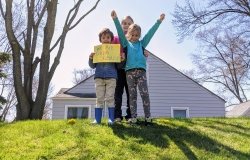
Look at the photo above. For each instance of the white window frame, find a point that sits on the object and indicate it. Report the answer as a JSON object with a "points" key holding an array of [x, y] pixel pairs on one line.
{"points": [[76, 106], [180, 108]]}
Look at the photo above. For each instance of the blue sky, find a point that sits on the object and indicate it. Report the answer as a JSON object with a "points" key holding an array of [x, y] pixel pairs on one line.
{"points": [[81, 40]]}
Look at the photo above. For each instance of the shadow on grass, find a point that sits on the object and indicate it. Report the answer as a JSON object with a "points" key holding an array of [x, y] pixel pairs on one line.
{"points": [[232, 124], [227, 121], [160, 135], [228, 130], [147, 134], [221, 125], [2, 124]]}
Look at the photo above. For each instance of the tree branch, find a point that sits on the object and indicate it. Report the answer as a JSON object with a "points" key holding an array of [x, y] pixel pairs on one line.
{"points": [[82, 17], [188, 19], [1, 9], [35, 29], [61, 39]]}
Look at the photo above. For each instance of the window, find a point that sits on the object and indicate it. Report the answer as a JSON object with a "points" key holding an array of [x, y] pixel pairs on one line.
{"points": [[77, 112], [179, 112]]}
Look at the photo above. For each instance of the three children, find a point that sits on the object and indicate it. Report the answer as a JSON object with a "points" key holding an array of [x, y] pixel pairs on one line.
{"points": [[135, 68]]}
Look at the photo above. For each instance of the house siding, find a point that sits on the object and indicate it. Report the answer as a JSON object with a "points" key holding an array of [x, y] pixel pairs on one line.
{"points": [[170, 88], [167, 88], [58, 111]]}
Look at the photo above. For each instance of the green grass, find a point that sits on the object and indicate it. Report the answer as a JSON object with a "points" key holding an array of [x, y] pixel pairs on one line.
{"points": [[198, 138]]}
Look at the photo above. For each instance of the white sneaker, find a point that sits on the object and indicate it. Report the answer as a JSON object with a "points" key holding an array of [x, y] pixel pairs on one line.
{"points": [[94, 122], [148, 120], [133, 120], [129, 120], [118, 120], [110, 122]]}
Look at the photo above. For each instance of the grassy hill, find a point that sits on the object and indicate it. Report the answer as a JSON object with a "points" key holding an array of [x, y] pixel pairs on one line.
{"points": [[199, 138]]}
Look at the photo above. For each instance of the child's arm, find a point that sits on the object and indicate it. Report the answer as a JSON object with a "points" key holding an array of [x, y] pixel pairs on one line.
{"points": [[146, 39], [91, 64], [123, 39], [122, 63]]}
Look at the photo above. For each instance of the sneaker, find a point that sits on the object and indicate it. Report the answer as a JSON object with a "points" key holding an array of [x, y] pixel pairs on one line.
{"points": [[133, 121], [110, 122], [127, 117], [94, 122], [148, 121], [129, 120], [118, 120]]}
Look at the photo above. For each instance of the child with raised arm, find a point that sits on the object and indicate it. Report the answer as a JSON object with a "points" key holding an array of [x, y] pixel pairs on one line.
{"points": [[121, 82], [136, 64], [105, 80]]}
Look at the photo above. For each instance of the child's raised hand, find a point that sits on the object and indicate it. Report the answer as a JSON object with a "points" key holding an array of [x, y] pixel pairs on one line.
{"points": [[113, 14], [162, 17]]}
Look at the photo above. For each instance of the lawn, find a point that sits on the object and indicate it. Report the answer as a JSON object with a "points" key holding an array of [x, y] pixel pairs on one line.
{"points": [[197, 138]]}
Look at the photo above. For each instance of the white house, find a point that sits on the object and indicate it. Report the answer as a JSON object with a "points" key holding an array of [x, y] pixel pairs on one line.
{"points": [[172, 94]]}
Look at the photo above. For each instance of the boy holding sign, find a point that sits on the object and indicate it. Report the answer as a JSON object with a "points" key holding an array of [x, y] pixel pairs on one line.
{"points": [[105, 65]]}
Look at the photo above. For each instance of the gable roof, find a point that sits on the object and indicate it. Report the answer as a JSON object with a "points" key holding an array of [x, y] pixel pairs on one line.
{"points": [[242, 109], [67, 91], [187, 76], [93, 95], [63, 93]]}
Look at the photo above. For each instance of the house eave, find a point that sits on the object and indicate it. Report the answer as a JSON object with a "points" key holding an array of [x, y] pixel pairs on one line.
{"points": [[72, 98]]}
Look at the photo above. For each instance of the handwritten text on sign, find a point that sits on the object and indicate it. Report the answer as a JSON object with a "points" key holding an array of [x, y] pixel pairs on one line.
{"points": [[107, 53]]}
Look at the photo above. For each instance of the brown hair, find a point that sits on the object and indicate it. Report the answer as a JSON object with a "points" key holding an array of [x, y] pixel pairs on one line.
{"points": [[106, 31], [128, 17]]}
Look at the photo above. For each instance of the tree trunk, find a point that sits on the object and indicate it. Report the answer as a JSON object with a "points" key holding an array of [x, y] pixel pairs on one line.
{"points": [[29, 107]]}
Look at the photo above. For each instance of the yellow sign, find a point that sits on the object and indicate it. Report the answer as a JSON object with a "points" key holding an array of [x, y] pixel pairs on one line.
{"points": [[107, 53]]}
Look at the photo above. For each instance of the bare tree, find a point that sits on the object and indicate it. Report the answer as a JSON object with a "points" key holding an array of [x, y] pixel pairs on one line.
{"points": [[80, 75], [6, 83], [222, 30], [47, 112], [193, 17], [18, 27], [224, 60], [4, 98], [24, 51], [7, 91]]}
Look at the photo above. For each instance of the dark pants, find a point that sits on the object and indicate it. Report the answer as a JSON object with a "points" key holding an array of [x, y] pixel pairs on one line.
{"points": [[121, 83], [137, 77]]}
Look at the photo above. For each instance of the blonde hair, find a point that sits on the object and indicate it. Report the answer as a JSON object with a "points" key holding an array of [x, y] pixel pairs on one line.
{"points": [[132, 28]]}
